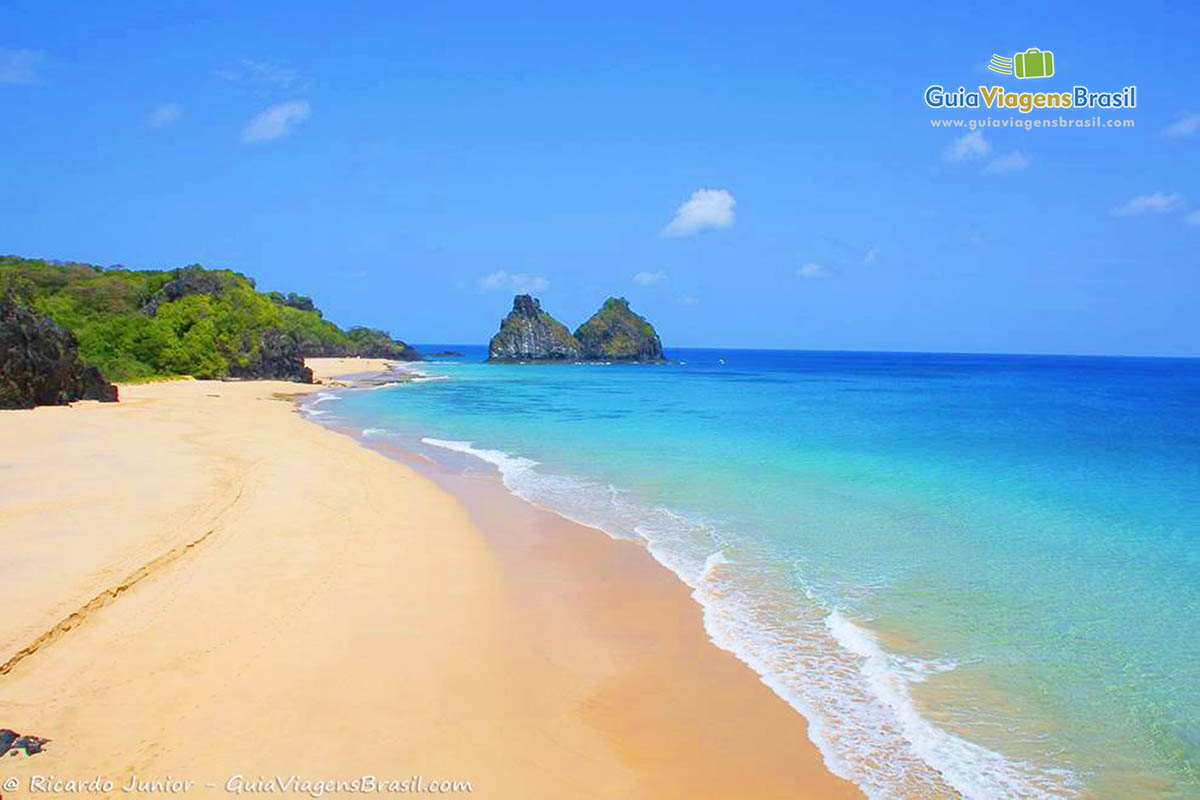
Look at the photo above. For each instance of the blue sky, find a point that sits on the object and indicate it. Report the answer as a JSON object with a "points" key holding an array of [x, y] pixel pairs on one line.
{"points": [[769, 171]]}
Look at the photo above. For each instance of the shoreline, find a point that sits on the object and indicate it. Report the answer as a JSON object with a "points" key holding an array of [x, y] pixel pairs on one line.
{"points": [[496, 651], [645, 619], [556, 558]]}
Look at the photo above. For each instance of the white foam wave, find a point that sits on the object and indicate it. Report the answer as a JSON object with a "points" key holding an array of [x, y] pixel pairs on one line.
{"points": [[407, 369], [578, 500], [323, 397], [975, 771], [715, 561], [508, 465], [855, 695], [369, 432]]}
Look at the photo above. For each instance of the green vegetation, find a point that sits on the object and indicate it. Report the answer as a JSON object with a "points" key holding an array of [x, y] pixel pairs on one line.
{"points": [[135, 325], [158, 379]]}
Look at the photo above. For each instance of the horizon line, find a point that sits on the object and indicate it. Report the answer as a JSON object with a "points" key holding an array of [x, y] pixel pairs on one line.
{"points": [[832, 351]]}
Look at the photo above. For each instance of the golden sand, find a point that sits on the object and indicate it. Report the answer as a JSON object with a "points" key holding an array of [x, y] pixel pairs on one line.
{"points": [[202, 585]]}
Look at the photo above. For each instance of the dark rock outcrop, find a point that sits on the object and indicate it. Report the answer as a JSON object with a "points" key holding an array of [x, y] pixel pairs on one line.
{"points": [[530, 334], [615, 333], [300, 302], [39, 363], [189, 281], [277, 357], [373, 343]]}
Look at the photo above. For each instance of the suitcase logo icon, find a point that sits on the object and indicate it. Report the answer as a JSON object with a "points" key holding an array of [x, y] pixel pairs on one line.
{"points": [[1033, 63]]}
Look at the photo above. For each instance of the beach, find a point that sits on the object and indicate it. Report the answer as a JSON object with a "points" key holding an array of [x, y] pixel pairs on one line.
{"points": [[207, 590]]}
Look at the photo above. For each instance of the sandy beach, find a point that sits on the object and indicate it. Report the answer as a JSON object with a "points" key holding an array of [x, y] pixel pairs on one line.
{"points": [[205, 587]]}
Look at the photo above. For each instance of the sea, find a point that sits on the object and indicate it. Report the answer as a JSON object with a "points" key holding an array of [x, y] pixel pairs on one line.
{"points": [[975, 575]]}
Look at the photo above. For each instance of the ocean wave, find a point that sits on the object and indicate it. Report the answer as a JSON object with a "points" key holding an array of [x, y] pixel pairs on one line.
{"points": [[367, 433], [323, 397], [975, 771], [715, 561], [413, 372], [545, 490], [855, 695], [509, 466]]}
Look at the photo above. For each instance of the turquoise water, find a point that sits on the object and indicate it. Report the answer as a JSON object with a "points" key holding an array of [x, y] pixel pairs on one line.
{"points": [[973, 574]]}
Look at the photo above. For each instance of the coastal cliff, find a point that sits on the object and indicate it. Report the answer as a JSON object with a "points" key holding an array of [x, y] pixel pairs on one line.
{"points": [[530, 334], [39, 363], [615, 333], [277, 357]]}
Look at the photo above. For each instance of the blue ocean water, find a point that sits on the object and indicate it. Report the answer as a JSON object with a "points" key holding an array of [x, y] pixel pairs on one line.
{"points": [[973, 574]]}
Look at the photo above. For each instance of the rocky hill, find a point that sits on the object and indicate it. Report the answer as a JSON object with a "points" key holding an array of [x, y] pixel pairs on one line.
{"points": [[530, 334], [207, 323], [615, 333]]}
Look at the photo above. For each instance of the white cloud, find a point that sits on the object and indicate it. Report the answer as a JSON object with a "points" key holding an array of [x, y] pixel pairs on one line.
{"points": [[164, 114], [1013, 162], [687, 300], [1193, 219], [968, 146], [263, 74], [1185, 127], [811, 270], [518, 282], [1156, 203], [649, 278], [706, 208], [19, 66], [275, 121], [871, 255]]}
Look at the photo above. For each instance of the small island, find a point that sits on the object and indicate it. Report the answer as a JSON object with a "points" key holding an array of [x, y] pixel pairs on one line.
{"points": [[614, 333]]}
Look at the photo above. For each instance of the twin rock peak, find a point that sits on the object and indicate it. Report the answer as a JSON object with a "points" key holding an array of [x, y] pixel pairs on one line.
{"points": [[614, 333]]}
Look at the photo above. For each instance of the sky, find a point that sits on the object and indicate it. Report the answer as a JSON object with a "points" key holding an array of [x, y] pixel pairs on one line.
{"points": [[748, 175]]}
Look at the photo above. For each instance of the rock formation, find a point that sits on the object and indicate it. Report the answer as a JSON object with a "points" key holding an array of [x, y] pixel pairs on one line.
{"points": [[615, 333], [188, 281], [39, 363], [530, 334], [372, 343], [276, 357]]}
